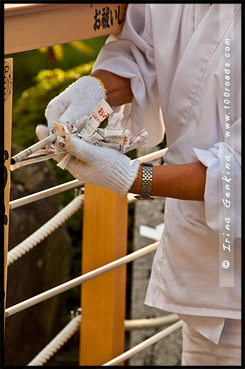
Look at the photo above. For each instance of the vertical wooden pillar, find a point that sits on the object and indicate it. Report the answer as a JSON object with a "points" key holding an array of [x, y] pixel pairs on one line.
{"points": [[8, 97], [103, 298]]}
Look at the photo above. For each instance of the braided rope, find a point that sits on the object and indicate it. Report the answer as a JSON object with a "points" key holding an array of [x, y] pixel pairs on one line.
{"points": [[57, 342], [45, 230], [148, 323]]}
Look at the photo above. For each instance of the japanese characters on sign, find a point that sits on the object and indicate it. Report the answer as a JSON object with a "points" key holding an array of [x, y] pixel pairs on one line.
{"points": [[107, 17], [8, 94], [5, 175], [8, 82]]}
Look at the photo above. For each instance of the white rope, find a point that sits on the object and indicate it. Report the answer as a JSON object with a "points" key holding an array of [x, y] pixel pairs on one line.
{"points": [[135, 324], [44, 231], [143, 345], [44, 194], [153, 155], [57, 342], [79, 280]]}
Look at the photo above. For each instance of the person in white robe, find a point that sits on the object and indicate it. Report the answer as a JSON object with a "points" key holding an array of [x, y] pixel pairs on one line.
{"points": [[176, 68]]}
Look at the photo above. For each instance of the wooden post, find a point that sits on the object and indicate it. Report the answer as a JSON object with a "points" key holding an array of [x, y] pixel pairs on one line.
{"points": [[103, 298], [8, 94]]}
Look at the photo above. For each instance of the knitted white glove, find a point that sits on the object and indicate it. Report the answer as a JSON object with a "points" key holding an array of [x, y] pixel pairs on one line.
{"points": [[101, 166], [77, 100], [42, 131]]}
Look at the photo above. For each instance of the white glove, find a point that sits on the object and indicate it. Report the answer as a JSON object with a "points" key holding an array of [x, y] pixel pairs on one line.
{"points": [[42, 131], [101, 166], [77, 100]]}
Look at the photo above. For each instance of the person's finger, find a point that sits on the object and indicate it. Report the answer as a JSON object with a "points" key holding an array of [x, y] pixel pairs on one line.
{"points": [[42, 131], [71, 114], [54, 110]]}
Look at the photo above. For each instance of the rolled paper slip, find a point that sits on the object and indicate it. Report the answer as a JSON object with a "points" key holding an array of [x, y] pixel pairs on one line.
{"points": [[34, 159], [100, 112], [107, 132], [30, 150], [114, 120], [111, 145], [117, 139]]}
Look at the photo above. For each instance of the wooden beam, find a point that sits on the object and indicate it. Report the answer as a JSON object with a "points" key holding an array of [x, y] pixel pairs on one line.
{"points": [[31, 26], [8, 97], [103, 298]]}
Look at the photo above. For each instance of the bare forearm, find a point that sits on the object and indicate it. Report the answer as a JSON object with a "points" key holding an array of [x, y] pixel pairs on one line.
{"points": [[185, 181], [118, 88]]}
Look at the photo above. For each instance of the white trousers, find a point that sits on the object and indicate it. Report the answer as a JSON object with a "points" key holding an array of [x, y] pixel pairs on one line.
{"points": [[199, 351]]}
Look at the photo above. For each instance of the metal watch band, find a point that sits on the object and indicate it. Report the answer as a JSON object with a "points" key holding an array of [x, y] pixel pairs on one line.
{"points": [[146, 187]]}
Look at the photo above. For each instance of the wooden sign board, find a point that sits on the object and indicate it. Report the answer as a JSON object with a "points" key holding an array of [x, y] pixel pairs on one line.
{"points": [[31, 26], [8, 94]]}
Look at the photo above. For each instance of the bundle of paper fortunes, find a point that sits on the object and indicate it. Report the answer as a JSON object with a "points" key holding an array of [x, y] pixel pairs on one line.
{"points": [[113, 136]]}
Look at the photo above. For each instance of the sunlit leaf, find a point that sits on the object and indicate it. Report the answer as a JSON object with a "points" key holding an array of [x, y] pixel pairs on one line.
{"points": [[54, 54], [58, 52], [43, 50], [83, 47]]}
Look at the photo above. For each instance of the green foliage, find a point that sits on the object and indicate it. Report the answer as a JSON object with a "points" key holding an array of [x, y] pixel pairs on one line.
{"points": [[27, 64], [30, 108]]}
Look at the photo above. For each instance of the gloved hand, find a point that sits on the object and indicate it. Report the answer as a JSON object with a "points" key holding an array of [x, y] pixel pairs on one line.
{"points": [[42, 132], [101, 166], [77, 100]]}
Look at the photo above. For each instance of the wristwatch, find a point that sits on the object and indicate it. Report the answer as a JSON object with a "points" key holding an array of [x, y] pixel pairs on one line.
{"points": [[146, 188]]}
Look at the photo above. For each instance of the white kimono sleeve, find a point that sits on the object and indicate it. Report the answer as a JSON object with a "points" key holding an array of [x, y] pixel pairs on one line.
{"points": [[131, 55], [223, 180]]}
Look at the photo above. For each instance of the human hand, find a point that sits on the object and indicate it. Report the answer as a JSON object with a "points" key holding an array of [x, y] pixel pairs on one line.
{"points": [[101, 166], [43, 132], [76, 101]]}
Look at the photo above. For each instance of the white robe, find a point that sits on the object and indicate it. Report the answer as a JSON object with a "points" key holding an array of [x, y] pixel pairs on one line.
{"points": [[174, 55]]}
